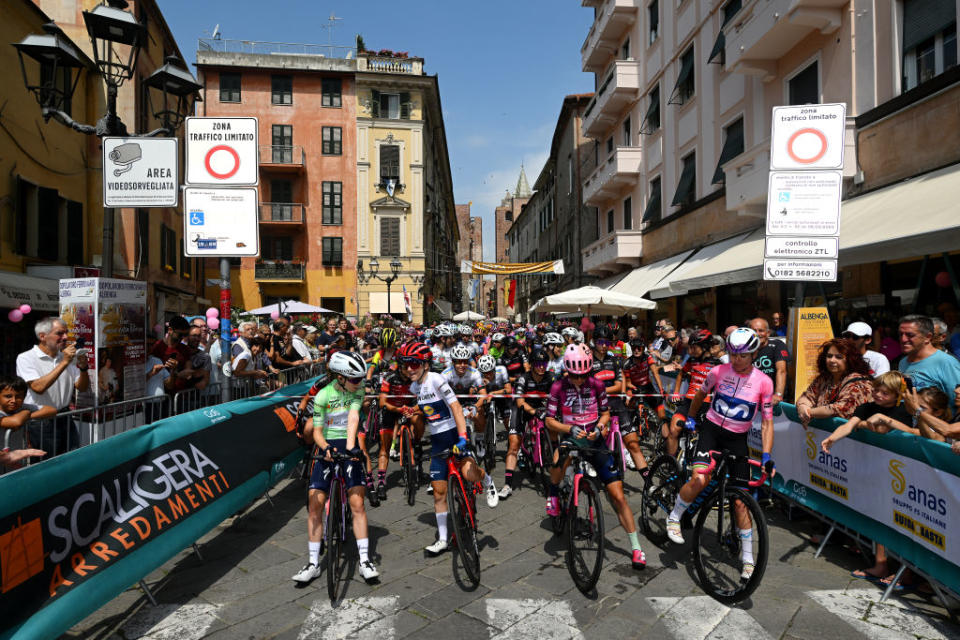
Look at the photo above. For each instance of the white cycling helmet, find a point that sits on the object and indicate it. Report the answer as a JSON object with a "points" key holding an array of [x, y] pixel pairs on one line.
{"points": [[497, 337], [486, 363], [443, 331], [579, 337], [348, 364], [743, 340], [553, 338], [461, 352], [569, 332], [465, 330]]}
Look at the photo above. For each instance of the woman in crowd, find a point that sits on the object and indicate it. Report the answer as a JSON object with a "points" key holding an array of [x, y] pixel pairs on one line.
{"points": [[842, 384]]}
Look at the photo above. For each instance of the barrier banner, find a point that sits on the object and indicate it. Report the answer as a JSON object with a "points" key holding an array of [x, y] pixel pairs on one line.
{"points": [[896, 489], [77, 530]]}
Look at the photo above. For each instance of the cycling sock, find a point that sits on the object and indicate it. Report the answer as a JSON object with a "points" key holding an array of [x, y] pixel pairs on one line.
{"points": [[442, 526], [554, 490], [508, 478], [381, 476], [634, 540], [363, 546], [314, 548], [487, 480], [678, 508], [746, 545]]}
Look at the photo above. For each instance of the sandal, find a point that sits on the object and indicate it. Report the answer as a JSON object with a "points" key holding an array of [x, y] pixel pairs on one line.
{"points": [[884, 583], [861, 574]]}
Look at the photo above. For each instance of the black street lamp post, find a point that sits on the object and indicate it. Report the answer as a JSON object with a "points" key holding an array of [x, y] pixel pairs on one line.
{"points": [[395, 266]]}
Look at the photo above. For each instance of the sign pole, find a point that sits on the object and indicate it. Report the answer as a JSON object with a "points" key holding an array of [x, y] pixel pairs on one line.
{"points": [[225, 325]]}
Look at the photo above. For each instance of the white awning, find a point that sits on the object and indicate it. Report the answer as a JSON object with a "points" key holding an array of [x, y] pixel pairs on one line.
{"points": [[378, 302], [42, 294], [610, 281], [642, 279], [736, 259]]}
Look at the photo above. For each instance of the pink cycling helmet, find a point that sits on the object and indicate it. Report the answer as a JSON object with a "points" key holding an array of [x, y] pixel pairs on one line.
{"points": [[577, 360]]}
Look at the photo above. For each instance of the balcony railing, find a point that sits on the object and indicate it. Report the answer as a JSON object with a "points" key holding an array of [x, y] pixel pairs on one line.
{"points": [[606, 182], [618, 91], [292, 156], [377, 64], [280, 271], [613, 20], [281, 212], [613, 252], [219, 45]]}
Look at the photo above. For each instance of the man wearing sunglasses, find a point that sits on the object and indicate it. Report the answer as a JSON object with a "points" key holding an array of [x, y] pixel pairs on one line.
{"points": [[448, 430]]}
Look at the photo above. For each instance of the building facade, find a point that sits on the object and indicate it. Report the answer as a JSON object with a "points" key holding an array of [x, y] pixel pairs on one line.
{"points": [[470, 248], [503, 216], [306, 110]]}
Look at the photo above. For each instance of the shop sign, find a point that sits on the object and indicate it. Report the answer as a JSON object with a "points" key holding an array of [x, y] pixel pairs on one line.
{"points": [[809, 328], [220, 222], [801, 247]]}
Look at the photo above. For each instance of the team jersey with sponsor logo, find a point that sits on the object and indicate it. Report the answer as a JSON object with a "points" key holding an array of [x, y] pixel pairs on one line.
{"points": [[499, 379], [737, 398], [515, 364], [434, 397], [577, 406], [526, 385], [697, 371], [441, 358], [396, 386], [637, 369], [469, 383], [331, 409]]}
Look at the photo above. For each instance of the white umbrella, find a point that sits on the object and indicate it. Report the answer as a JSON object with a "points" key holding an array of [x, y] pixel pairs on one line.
{"points": [[288, 306], [468, 316], [592, 300]]}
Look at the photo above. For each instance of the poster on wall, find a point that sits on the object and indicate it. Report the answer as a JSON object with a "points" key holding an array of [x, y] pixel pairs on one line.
{"points": [[810, 328]]}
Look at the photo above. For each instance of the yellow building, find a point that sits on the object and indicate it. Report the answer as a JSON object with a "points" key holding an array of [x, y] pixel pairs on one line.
{"points": [[405, 204]]}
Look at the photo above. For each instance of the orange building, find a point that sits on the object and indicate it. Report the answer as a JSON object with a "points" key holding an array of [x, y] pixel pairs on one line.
{"points": [[306, 106]]}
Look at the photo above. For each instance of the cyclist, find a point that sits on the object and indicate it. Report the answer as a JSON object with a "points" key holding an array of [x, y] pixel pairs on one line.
{"points": [[496, 383], [643, 377], [444, 415], [696, 368], [514, 359], [385, 357], [578, 410], [336, 418], [495, 347], [535, 383], [465, 382], [569, 334], [441, 350], [607, 367], [554, 344], [395, 401], [740, 391]]}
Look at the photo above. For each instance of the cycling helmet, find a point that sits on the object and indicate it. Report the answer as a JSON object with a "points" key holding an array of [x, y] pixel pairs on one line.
{"points": [[579, 337], [743, 340], [465, 330], [461, 352], [638, 345], [569, 332], [409, 331], [348, 364], [443, 331], [497, 337], [537, 354], [602, 332], [552, 339], [415, 350], [510, 343], [577, 360], [700, 338], [388, 338], [428, 333], [486, 364]]}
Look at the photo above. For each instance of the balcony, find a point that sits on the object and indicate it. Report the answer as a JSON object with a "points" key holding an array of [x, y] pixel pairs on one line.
{"points": [[618, 91], [613, 253], [613, 20], [279, 271], [609, 179], [284, 213], [282, 159], [746, 180], [765, 30], [386, 64]]}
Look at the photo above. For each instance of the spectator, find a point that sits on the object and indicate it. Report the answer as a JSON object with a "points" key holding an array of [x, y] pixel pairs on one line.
{"points": [[298, 342], [14, 412], [245, 364], [52, 379], [280, 347], [777, 326], [199, 359], [173, 351], [842, 384], [925, 365], [861, 334], [157, 372], [930, 414], [347, 330], [771, 358], [12, 459], [311, 341], [885, 342], [941, 335], [329, 336], [729, 330]]}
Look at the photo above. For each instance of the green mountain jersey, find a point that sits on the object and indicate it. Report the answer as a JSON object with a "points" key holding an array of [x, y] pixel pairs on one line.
{"points": [[332, 407]]}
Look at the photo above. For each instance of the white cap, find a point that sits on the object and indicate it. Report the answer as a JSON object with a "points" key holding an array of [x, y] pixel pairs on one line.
{"points": [[861, 329]]}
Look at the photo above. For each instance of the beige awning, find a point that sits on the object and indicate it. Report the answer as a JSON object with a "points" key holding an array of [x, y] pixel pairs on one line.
{"points": [[642, 279], [736, 259], [378, 302]]}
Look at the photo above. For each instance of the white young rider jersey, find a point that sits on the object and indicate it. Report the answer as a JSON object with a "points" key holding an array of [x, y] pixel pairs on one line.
{"points": [[462, 385], [555, 366], [434, 397], [441, 357]]}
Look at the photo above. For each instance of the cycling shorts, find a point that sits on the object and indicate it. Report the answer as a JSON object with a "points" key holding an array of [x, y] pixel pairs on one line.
{"points": [[626, 421], [388, 421], [715, 438], [650, 396], [518, 422], [683, 409], [440, 442], [597, 454], [322, 472]]}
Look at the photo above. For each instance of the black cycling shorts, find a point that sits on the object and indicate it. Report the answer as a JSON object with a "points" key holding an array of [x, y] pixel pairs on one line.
{"points": [[715, 438]]}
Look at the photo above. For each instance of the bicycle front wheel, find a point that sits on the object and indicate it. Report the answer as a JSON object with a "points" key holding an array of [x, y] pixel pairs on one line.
{"points": [[464, 529], [659, 495], [490, 442], [585, 536], [409, 468], [719, 546], [546, 461], [334, 535]]}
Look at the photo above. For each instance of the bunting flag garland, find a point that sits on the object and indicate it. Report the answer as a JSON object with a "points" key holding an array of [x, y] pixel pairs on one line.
{"points": [[511, 268]]}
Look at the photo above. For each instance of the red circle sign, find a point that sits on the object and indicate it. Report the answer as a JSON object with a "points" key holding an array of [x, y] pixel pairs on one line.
{"points": [[816, 156], [231, 151]]}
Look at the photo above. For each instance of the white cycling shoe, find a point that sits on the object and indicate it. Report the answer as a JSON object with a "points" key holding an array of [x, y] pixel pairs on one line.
{"points": [[437, 547], [505, 492], [674, 532], [493, 498], [308, 573], [368, 571]]}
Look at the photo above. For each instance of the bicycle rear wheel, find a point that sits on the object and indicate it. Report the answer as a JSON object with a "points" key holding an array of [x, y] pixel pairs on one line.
{"points": [[546, 457], [463, 528], [585, 537], [718, 547], [409, 468], [651, 435], [490, 444], [659, 495], [334, 535]]}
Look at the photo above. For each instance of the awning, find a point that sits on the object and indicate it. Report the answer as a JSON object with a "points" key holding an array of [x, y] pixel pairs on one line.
{"points": [[639, 281], [726, 262], [378, 302], [445, 308], [42, 294], [609, 281]]}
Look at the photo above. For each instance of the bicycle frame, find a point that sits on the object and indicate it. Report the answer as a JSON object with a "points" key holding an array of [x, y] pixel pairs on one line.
{"points": [[616, 436], [719, 480], [453, 470]]}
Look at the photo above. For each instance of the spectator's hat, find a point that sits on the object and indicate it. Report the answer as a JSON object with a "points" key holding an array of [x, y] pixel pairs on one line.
{"points": [[311, 329], [860, 329], [299, 326]]}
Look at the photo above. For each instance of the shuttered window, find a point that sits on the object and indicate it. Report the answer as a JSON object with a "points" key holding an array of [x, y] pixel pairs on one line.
{"points": [[333, 252], [390, 237]]}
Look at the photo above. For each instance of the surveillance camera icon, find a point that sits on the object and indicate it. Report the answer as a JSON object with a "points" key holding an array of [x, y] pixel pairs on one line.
{"points": [[125, 155]]}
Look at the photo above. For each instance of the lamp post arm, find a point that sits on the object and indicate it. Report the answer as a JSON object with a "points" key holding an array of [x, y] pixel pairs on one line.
{"points": [[66, 120]]}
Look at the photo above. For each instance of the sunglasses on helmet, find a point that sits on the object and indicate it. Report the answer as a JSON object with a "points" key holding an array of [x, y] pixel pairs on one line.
{"points": [[413, 363], [355, 380]]}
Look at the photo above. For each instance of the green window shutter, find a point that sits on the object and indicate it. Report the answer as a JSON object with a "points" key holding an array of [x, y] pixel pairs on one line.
{"points": [[405, 106], [375, 103]]}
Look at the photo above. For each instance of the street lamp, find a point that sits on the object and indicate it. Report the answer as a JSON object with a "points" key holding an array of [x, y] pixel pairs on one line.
{"points": [[395, 267], [172, 93]]}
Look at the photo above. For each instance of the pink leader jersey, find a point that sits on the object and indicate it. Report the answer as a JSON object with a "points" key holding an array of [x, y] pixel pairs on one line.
{"points": [[577, 406], [736, 398]]}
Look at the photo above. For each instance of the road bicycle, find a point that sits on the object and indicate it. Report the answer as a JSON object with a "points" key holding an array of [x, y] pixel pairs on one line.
{"points": [[409, 461], [536, 451], [615, 444], [667, 474], [462, 509]]}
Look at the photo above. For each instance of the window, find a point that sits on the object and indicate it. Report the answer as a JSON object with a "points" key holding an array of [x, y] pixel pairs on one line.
{"points": [[168, 248], [229, 87], [332, 203], [610, 225], [804, 87], [276, 248], [393, 106], [333, 252], [186, 267], [389, 163], [732, 147], [687, 187], [628, 213], [652, 212], [651, 120], [332, 144], [281, 194], [719, 54], [281, 151], [334, 304], [929, 40], [627, 133], [569, 174], [332, 89], [653, 17], [281, 89], [625, 49], [47, 225], [609, 145], [684, 90], [390, 237]]}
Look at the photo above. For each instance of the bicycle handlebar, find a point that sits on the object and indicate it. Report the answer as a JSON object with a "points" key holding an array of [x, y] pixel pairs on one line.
{"points": [[713, 465]]}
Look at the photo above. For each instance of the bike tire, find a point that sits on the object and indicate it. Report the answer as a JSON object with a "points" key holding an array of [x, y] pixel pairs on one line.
{"points": [[658, 497], [717, 552], [585, 537], [467, 549], [546, 456], [409, 468], [333, 531], [490, 441]]}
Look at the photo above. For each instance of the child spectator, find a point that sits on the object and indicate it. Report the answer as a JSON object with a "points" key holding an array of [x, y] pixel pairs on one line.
{"points": [[14, 413]]}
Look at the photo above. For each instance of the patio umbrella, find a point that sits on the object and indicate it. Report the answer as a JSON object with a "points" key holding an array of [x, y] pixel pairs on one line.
{"points": [[288, 306], [592, 300], [468, 316]]}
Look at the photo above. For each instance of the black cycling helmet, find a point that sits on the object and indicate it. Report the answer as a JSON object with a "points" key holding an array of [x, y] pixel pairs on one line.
{"points": [[510, 343], [638, 344], [602, 332], [537, 354]]}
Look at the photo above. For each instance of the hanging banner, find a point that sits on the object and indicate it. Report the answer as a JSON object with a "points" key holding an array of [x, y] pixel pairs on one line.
{"points": [[511, 268], [511, 293]]}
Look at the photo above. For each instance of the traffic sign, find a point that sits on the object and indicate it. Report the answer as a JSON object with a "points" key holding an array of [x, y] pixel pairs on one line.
{"points": [[140, 172], [822, 270], [221, 152], [808, 137], [804, 203], [801, 247], [220, 222]]}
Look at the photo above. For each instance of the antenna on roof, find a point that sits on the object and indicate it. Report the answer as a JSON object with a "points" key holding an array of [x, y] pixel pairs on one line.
{"points": [[216, 32], [330, 26]]}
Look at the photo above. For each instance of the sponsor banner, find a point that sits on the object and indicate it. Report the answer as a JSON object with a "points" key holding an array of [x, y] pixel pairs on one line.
{"points": [[810, 328], [896, 489], [514, 268], [77, 530]]}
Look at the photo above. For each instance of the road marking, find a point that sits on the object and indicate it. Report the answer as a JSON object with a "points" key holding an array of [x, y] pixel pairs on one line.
{"points": [[892, 620], [171, 622], [702, 617], [359, 618], [531, 618]]}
